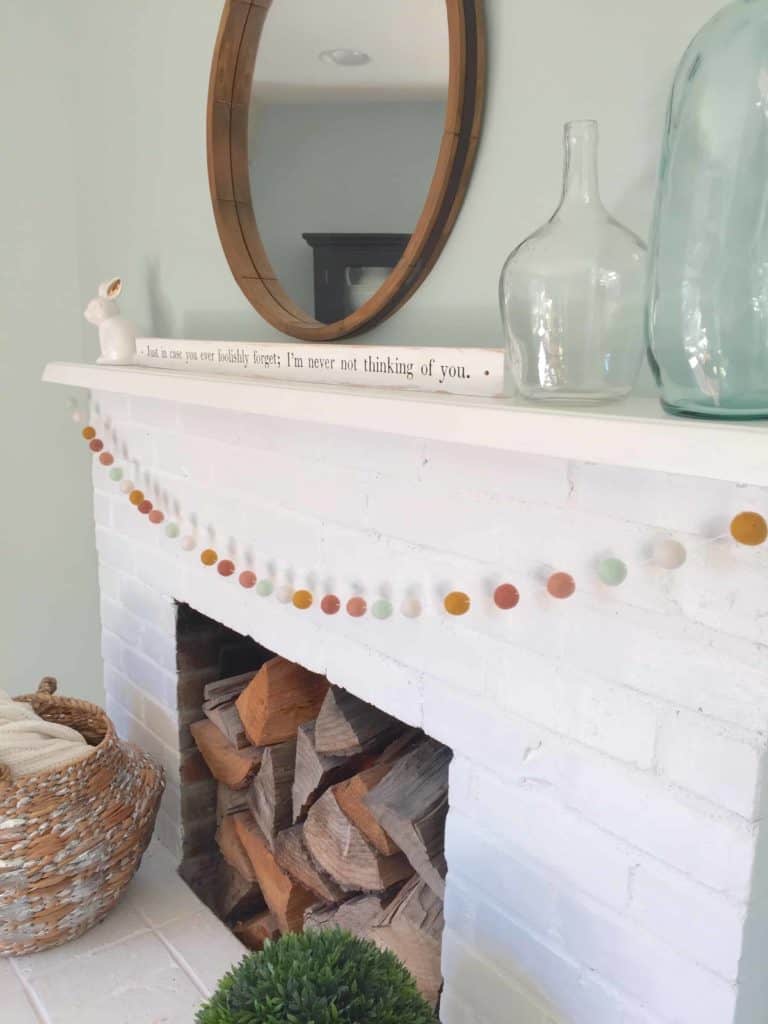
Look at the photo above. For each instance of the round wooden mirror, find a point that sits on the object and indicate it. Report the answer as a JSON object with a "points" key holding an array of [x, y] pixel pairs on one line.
{"points": [[341, 139]]}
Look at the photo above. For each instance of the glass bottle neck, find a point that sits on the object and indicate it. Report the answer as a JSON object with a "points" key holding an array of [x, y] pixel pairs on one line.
{"points": [[581, 185]]}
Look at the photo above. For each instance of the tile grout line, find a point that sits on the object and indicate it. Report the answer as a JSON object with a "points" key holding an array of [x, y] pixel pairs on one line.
{"points": [[176, 955], [33, 998]]}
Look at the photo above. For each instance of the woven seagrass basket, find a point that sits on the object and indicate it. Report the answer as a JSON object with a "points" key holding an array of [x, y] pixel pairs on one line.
{"points": [[71, 839]]}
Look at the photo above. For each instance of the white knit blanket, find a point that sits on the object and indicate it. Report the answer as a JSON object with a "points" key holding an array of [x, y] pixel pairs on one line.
{"points": [[28, 744]]}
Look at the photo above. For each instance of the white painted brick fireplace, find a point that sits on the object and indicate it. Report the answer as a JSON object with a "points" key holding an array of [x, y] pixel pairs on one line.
{"points": [[606, 859]]}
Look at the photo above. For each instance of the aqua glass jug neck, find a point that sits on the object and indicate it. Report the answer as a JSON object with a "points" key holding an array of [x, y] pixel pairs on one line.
{"points": [[581, 185]]}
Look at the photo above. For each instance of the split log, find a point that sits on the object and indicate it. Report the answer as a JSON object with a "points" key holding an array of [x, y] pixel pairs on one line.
{"points": [[219, 706], [279, 698], [314, 772], [254, 932], [294, 858], [351, 793], [347, 725], [232, 849], [342, 852], [412, 928], [411, 805], [233, 767], [237, 898], [270, 794], [229, 801], [356, 915], [285, 898]]}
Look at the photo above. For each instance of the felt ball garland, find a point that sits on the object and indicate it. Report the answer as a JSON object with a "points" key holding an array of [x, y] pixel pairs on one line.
{"points": [[748, 529]]}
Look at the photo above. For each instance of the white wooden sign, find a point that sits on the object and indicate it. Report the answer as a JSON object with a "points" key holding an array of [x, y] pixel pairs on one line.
{"points": [[458, 371]]}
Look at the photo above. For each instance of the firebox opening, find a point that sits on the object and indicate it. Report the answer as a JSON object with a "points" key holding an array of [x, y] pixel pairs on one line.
{"points": [[304, 806]]}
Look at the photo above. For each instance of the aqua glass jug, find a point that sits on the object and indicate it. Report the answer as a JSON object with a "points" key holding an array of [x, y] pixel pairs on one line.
{"points": [[707, 318]]}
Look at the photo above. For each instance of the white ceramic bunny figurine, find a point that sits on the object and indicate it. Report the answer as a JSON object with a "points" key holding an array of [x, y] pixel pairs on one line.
{"points": [[117, 336]]}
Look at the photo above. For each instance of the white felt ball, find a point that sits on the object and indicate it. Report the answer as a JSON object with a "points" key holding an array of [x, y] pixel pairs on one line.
{"points": [[411, 608], [77, 416], [187, 543], [669, 554], [127, 486], [284, 594]]}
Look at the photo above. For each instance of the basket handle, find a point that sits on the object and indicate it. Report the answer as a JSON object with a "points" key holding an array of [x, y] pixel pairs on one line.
{"points": [[46, 688]]}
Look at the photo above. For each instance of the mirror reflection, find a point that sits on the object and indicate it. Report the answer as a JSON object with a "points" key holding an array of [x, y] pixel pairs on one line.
{"points": [[345, 125]]}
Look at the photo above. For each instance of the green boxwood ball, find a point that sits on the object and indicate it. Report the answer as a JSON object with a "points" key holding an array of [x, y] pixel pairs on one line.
{"points": [[320, 977], [612, 572]]}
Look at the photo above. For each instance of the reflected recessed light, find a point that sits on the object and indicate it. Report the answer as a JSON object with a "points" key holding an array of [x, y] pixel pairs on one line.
{"points": [[345, 58]]}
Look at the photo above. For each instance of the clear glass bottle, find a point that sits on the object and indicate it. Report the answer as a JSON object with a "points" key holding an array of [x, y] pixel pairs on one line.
{"points": [[573, 294], [708, 280]]}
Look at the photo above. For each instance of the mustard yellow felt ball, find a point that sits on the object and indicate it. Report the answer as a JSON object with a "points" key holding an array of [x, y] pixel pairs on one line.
{"points": [[750, 528], [209, 557], [457, 603], [302, 600], [136, 497]]}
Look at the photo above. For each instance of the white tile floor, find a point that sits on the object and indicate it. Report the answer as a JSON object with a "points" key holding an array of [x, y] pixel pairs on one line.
{"points": [[157, 956]]}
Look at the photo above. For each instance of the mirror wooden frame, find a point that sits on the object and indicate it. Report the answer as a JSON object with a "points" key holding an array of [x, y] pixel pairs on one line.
{"points": [[229, 96]]}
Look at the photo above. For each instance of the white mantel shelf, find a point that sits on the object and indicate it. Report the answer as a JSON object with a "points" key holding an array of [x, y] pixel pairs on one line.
{"points": [[635, 433]]}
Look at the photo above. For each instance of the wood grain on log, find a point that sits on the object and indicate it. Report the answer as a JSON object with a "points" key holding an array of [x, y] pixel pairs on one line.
{"points": [[232, 849], [411, 805], [356, 915], [237, 898], [254, 932], [279, 698], [219, 706], [412, 928], [294, 858], [351, 793], [342, 851], [229, 801], [285, 898], [270, 794], [314, 772], [347, 725], [233, 767]]}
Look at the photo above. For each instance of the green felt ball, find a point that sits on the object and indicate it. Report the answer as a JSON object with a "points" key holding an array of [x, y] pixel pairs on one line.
{"points": [[264, 588], [172, 530], [382, 609], [612, 572], [116, 473]]}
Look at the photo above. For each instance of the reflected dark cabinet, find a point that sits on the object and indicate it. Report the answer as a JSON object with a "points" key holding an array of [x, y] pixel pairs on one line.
{"points": [[344, 266]]}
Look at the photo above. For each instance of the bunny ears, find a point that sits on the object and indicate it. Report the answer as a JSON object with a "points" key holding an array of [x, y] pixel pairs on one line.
{"points": [[111, 289]]}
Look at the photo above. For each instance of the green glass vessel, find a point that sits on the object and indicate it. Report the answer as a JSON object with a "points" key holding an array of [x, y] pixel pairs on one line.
{"points": [[707, 319]]}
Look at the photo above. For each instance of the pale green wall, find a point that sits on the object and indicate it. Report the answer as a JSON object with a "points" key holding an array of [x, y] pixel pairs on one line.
{"points": [[48, 613], [144, 209]]}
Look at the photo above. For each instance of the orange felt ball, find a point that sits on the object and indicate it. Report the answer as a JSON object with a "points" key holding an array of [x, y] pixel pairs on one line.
{"points": [[88, 433], [356, 607], [106, 459], [145, 507], [750, 528], [96, 445], [302, 600], [156, 516], [136, 497], [209, 557], [225, 567], [561, 586], [248, 579], [457, 603]]}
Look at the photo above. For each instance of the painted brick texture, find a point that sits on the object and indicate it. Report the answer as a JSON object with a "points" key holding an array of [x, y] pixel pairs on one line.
{"points": [[609, 751]]}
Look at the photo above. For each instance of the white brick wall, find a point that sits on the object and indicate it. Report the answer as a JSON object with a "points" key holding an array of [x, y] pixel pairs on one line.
{"points": [[604, 840]]}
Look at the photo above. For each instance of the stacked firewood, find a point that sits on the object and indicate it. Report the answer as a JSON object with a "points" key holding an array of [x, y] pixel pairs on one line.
{"points": [[330, 813]]}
